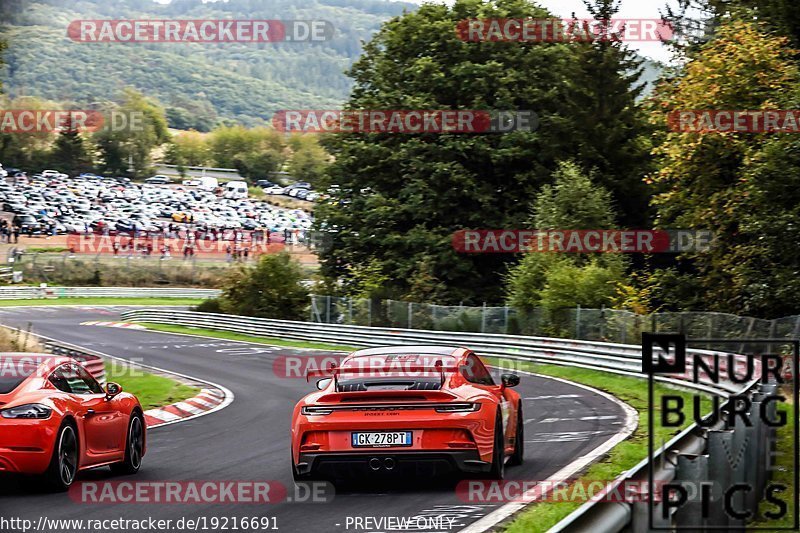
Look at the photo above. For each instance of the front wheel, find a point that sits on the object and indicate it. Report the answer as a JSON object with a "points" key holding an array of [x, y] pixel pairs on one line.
{"points": [[134, 447]]}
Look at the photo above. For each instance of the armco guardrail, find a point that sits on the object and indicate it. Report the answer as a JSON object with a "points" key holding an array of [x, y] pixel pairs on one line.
{"points": [[716, 456], [617, 358], [25, 293], [695, 455]]}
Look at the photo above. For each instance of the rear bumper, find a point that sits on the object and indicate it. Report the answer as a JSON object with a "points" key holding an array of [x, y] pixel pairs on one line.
{"points": [[26, 447], [377, 462]]}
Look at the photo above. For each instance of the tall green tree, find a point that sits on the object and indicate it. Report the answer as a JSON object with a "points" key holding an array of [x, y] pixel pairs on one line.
{"points": [[188, 148], [70, 152], [309, 160], [130, 133], [699, 19], [272, 288], [402, 196], [731, 183], [27, 150], [613, 132], [554, 280], [254, 152]]}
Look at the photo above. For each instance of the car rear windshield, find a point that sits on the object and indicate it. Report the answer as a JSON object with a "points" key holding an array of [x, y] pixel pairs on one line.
{"points": [[13, 371]]}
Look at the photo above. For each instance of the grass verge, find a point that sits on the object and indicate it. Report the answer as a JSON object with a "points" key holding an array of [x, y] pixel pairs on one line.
{"points": [[153, 391], [540, 517], [229, 335], [101, 301]]}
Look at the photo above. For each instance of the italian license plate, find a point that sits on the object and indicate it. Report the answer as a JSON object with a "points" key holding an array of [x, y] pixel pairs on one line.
{"points": [[383, 439]]}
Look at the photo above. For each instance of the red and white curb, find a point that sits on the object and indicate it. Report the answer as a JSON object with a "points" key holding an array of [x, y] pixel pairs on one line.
{"points": [[208, 400], [126, 325]]}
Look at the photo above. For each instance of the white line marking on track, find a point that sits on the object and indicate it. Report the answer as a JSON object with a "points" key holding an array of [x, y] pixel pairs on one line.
{"points": [[502, 513], [573, 419], [568, 436]]}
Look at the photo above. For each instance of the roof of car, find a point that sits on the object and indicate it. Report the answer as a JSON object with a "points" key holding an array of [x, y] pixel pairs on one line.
{"points": [[397, 350]]}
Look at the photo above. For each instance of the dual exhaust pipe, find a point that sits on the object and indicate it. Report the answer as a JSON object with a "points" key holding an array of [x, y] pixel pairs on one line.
{"points": [[376, 464]]}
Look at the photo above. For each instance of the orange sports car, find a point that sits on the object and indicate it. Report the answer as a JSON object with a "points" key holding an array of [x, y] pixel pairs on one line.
{"points": [[56, 420], [413, 410]]}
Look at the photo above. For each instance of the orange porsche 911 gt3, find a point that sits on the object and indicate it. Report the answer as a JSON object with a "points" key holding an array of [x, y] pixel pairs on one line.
{"points": [[56, 420], [407, 410]]}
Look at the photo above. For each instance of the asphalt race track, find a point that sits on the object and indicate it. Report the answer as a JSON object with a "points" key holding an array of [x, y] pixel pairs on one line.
{"points": [[249, 440]]}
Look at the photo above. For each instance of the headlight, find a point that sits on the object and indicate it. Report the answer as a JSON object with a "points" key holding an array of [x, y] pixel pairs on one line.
{"points": [[29, 411], [312, 411], [462, 407]]}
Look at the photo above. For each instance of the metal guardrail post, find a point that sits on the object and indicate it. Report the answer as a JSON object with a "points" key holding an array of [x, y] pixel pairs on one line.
{"points": [[762, 454], [692, 475], [720, 473], [753, 462], [770, 389], [640, 515], [738, 458]]}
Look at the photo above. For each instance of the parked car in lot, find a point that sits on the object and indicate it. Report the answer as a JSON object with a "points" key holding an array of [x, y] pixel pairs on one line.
{"points": [[158, 180], [78, 205], [207, 183], [14, 207], [235, 190], [27, 223]]}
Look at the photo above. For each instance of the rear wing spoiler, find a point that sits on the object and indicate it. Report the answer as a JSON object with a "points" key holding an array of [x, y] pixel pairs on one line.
{"points": [[335, 371]]}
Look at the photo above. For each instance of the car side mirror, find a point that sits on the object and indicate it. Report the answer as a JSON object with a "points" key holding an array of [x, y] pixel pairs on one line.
{"points": [[323, 383], [112, 390], [509, 380]]}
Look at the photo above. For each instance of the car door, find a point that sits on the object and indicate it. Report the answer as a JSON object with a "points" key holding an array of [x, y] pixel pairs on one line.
{"points": [[102, 420]]}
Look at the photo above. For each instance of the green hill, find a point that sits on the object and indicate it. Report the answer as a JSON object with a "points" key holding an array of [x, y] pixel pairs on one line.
{"points": [[200, 82]]}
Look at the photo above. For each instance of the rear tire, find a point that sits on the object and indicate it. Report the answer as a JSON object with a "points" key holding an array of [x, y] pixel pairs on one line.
{"points": [[499, 453], [134, 447], [519, 441], [63, 467]]}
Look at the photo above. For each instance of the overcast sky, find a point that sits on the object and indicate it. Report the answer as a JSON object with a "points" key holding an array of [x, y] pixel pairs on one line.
{"points": [[629, 9]]}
